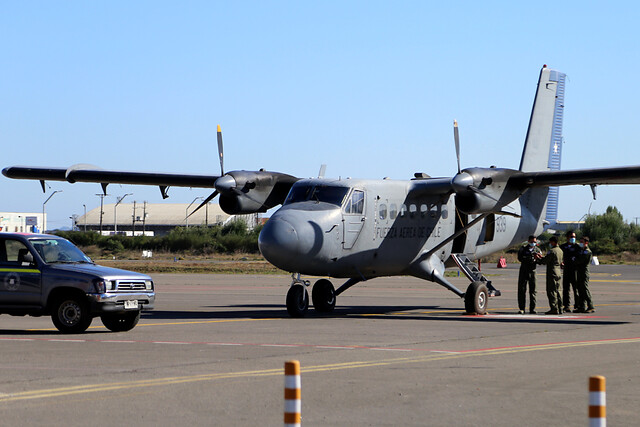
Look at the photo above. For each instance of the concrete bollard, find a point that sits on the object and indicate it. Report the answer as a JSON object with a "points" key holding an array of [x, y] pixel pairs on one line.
{"points": [[597, 402], [292, 394]]}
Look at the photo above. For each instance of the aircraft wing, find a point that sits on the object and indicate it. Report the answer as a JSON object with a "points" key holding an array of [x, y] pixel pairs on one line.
{"points": [[240, 192], [94, 174], [604, 176]]}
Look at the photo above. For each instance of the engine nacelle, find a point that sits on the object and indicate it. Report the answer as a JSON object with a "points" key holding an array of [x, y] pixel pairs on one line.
{"points": [[486, 190], [253, 191]]}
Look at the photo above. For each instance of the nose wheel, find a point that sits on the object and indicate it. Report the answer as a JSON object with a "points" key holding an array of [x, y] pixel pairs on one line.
{"points": [[297, 301], [323, 296]]}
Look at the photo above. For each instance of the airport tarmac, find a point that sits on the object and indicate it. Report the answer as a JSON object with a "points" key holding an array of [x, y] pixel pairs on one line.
{"points": [[397, 351]]}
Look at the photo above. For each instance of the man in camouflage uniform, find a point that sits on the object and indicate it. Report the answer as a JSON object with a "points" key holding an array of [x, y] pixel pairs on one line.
{"points": [[527, 255], [582, 268], [570, 251], [553, 259]]}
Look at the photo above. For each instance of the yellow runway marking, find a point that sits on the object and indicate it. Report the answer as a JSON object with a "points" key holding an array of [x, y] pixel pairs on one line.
{"points": [[94, 388], [172, 323]]}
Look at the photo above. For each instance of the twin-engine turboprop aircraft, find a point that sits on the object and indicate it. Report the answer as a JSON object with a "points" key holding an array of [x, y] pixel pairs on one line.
{"points": [[362, 229]]}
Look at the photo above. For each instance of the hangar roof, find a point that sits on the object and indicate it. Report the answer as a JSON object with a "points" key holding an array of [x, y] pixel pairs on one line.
{"points": [[156, 214]]}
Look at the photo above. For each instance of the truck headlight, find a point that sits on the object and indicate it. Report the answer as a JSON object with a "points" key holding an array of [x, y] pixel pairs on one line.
{"points": [[148, 285], [100, 285]]}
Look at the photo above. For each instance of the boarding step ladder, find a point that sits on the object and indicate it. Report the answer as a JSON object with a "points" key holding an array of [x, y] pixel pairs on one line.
{"points": [[471, 270]]}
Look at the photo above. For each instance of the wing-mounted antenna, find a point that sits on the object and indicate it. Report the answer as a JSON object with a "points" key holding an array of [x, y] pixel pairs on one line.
{"points": [[323, 169]]}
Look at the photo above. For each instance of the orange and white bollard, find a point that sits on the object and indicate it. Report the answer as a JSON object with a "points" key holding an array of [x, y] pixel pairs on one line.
{"points": [[292, 394], [597, 402]]}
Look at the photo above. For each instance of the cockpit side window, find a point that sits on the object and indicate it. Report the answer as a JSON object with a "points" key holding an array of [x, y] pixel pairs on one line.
{"points": [[317, 193], [355, 204]]}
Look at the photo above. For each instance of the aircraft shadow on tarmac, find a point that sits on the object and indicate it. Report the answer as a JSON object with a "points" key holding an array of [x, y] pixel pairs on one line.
{"points": [[276, 311]]}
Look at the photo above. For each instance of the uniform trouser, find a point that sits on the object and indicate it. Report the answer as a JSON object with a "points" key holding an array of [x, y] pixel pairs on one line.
{"points": [[584, 294], [553, 292], [569, 280], [527, 276]]}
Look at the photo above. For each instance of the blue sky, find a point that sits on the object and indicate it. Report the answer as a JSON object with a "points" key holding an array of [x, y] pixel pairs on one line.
{"points": [[370, 88]]}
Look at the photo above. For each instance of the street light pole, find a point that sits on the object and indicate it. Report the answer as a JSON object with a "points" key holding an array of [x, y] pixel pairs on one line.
{"points": [[115, 212], [186, 213], [85, 218], [45, 202]]}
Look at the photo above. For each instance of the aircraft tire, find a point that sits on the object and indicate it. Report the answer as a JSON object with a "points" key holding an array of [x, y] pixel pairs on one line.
{"points": [[297, 301], [323, 296], [476, 298]]}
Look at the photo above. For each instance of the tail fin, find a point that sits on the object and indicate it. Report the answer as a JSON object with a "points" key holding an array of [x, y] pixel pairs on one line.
{"points": [[543, 145]]}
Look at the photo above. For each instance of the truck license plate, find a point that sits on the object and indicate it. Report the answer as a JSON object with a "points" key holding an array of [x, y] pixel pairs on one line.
{"points": [[131, 305]]}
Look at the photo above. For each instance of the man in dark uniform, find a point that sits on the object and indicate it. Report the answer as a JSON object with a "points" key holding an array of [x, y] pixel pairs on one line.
{"points": [[527, 255], [553, 259], [582, 269], [570, 251]]}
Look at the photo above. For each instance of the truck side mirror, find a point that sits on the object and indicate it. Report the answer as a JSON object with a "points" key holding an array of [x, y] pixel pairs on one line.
{"points": [[27, 259]]}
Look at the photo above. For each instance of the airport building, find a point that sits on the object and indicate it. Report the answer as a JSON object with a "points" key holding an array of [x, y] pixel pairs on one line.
{"points": [[22, 222], [153, 219]]}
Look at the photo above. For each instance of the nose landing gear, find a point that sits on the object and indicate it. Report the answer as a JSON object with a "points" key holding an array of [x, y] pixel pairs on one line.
{"points": [[323, 296]]}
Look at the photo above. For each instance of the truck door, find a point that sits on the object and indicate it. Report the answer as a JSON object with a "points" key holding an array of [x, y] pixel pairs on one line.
{"points": [[19, 277], [353, 218]]}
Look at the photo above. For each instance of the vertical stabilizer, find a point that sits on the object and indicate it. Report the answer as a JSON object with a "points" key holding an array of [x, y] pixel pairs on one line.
{"points": [[543, 144]]}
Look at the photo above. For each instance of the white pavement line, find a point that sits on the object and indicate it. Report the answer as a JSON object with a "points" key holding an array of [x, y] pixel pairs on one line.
{"points": [[389, 349], [223, 343], [60, 340], [279, 345], [170, 342], [335, 347], [445, 352]]}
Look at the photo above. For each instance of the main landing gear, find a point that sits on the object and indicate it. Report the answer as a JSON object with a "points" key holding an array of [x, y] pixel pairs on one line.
{"points": [[323, 296], [475, 299]]}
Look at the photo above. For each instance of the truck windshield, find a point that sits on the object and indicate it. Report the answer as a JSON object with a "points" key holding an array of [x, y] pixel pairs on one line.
{"points": [[58, 250], [319, 193]]}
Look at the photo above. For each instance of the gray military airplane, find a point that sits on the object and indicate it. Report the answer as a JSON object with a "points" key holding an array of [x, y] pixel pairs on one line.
{"points": [[362, 229]]}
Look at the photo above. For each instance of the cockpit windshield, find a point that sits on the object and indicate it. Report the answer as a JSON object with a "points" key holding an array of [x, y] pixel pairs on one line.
{"points": [[59, 251], [319, 193]]}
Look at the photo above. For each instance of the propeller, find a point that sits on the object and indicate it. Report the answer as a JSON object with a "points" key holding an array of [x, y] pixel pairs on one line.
{"points": [[225, 183], [456, 138]]}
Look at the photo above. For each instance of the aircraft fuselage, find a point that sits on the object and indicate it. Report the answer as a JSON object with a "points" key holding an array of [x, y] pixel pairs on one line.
{"points": [[372, 228]]}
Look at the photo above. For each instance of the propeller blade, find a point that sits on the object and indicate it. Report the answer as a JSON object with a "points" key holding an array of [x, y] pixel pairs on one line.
{"points": [[207, 200], [220, 151], [456, 138]]}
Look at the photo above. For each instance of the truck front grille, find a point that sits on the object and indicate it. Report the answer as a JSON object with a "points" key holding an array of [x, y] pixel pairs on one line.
{"points": [[129, 285]]}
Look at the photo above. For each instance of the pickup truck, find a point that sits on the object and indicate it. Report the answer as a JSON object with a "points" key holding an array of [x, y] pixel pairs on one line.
{"points": [[42, 274]]}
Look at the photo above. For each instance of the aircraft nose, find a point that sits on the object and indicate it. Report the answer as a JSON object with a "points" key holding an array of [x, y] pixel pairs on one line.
{"points": [[278, 242]]}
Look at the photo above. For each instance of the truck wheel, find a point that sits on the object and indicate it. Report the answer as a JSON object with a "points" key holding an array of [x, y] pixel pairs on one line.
{"points": [[120, 322], [70, 314]]}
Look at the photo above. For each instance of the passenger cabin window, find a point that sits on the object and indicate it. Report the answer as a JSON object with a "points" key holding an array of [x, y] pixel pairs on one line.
{"points": [[383, 211], [403, 210], [423, 209], [393, 211], [317, 193], [355, 204], [412, 209], [12, 252]]}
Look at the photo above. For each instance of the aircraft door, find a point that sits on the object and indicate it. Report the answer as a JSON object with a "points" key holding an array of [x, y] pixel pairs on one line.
{"points": [[19, 275], [353, 218]]}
